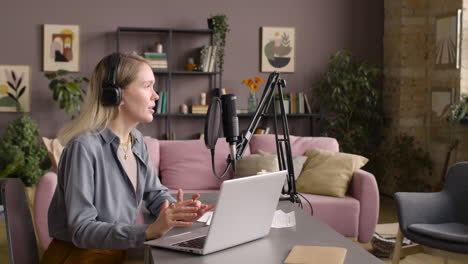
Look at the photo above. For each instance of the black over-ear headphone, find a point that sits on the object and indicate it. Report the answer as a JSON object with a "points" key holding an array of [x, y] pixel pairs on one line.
{"points": [[111, 93]]}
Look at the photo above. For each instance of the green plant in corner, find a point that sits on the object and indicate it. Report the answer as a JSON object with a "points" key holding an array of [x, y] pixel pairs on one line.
{"points": [[66, 90], [21, 155], [350, 99], [220, 27], [453, 115], [406, 167]]}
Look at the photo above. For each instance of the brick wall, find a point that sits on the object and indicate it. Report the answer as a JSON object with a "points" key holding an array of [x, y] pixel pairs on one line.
{"points": [[410, 76]]}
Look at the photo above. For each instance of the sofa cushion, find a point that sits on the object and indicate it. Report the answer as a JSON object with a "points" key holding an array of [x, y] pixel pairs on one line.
{"points": [[186, 164], [328, 173], [54, 150], [152, 145], [252, 164], [341, 214], [299, 145]]}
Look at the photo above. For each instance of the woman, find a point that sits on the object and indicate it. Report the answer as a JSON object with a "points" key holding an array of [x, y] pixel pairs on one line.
{"points": [[105, 172]]}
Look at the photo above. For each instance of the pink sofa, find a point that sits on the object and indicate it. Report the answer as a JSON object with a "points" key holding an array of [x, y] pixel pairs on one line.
{"points": [[186, 164]]}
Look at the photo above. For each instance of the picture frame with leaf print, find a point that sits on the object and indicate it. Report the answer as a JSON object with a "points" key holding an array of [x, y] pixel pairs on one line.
{"points": [[277, 49], [15, 87]]}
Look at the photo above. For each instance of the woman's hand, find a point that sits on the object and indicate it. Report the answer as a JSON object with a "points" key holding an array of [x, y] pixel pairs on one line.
{"points": [[201, 208], [170, 216]]}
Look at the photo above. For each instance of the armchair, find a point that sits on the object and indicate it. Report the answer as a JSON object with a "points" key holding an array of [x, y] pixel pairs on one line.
{"points": [[436, 220]]}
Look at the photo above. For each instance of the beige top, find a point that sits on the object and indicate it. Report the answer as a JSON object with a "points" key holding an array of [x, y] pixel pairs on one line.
{"points": [[127, 158]]}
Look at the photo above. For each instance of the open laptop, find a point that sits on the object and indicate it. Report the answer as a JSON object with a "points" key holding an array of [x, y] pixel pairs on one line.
{"points": [[244, 212]]}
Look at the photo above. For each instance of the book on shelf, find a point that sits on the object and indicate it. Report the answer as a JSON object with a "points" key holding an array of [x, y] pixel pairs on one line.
{"points": [[208, 58], [204, 58], [161, 105], [212, 63], [307, 105]]}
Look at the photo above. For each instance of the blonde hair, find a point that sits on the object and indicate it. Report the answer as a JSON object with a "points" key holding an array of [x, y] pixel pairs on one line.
{"points": [[94, 115]]}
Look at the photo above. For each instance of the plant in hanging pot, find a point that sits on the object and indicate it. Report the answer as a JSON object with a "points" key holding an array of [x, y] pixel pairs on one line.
{"points": [[220, 27], [66, 90]]}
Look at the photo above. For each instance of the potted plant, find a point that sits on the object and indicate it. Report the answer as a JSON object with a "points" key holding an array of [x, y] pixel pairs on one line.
{"points": [[220, 27], [21, 155], [351, 101], [66, 90]]}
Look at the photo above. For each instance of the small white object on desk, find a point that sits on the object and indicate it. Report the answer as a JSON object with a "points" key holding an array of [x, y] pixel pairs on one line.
{"points": [[282, 219]]}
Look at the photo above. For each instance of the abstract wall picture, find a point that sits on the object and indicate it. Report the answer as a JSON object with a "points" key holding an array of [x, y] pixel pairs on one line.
{"points": [[61, 47], [278, 49], [447, 37], [15, 87]]}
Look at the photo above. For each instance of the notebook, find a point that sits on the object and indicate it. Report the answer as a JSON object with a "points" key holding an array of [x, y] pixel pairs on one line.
{"points": [[244, 212]]}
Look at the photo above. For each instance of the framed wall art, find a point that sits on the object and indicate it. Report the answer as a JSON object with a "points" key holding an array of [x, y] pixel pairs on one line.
{"points": [[447, 40], [441, 99], [61, 47], [277, 49], [15, 87]]}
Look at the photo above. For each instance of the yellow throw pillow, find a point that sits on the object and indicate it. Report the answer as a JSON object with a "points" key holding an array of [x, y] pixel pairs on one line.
{"points": [[54, 149], [328, 173], [256, 163]]}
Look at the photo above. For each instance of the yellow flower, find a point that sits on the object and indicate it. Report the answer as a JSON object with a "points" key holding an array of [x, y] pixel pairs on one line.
{"points": [[3, 89], [254, 87], [252, 84]]}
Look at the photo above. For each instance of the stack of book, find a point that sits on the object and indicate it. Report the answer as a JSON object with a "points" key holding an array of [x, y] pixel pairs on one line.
{"points": [[199, 109], [208, 58], [156, 60]]}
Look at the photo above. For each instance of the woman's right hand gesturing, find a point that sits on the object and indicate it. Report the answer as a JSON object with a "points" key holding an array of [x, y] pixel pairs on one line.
{"points": [[170, 216]]}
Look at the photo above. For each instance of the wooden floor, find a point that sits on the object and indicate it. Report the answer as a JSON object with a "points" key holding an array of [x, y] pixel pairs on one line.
{"points": [[387, 214]]}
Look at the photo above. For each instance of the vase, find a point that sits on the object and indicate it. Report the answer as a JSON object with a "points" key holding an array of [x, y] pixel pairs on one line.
{"points": [[252, 102]]}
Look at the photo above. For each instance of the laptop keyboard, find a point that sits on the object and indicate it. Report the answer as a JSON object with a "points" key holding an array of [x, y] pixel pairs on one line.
{"points": [[198, 242]]}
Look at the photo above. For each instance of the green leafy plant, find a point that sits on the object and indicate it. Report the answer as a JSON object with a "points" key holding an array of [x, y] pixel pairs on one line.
{"points": [[220, 27], [351, 101], [21, 155], [453, 115], [349, 97], [406, 166], [67, 90]]}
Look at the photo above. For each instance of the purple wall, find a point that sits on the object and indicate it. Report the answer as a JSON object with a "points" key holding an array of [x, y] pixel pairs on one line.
{"points": [[322, 28]]}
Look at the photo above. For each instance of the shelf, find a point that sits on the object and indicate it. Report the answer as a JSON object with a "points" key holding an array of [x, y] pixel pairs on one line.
{"points": [[156, 71], [239, 115], [315, 115], [164, 30]]}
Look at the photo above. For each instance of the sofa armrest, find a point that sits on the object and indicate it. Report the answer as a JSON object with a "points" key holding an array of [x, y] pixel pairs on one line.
{"points": [[364, 188], [44, 192]]}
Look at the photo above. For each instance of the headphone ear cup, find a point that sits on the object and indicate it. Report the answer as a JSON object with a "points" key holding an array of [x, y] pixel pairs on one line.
{"points": [[111, 95]]}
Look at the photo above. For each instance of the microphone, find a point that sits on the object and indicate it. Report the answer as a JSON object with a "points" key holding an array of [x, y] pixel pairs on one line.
{"points": [[212, 125], [230, 124]]}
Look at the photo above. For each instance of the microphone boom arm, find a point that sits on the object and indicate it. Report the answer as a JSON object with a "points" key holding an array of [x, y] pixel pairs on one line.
{"points": [[283, 145]]}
